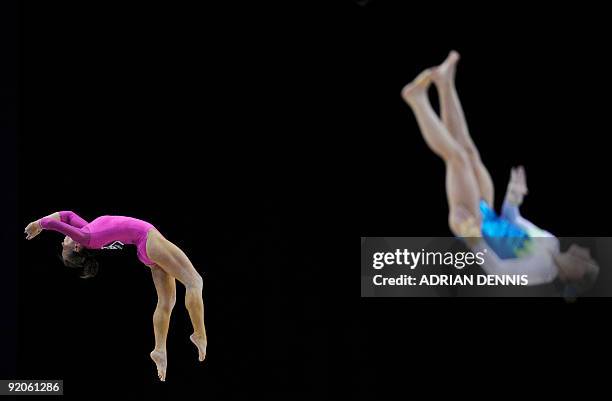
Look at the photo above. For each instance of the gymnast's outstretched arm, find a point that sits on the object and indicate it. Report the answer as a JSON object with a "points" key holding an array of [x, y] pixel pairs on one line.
{"points": [[65, 222], [517, 189], [72, 218]]}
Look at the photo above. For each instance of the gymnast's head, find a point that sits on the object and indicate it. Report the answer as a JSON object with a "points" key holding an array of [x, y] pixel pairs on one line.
{"points": [[75, 256], [577, 268]]}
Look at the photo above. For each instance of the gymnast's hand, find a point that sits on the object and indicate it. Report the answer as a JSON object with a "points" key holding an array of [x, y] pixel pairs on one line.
{"points": [[517, 187], [33, 229]]}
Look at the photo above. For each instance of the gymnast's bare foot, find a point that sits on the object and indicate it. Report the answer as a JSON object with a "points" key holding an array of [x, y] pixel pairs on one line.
{"points": [[445, 72], [417, 88], [200, 342], [159, 357]]}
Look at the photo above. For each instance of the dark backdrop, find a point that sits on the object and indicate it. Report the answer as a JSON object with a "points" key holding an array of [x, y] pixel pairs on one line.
{"points": [[8, 172], [260, 137]]}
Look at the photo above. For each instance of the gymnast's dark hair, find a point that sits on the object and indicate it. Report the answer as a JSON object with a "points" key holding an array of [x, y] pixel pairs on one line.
{"points": [[84, 261]]}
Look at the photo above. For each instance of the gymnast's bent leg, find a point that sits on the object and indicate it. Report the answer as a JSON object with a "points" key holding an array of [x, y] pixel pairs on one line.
{"points": [[462, 188], [174, 262], [454, 119]]}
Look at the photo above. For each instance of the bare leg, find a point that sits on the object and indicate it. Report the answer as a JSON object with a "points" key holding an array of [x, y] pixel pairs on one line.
{"points": [[461, 184], [454, 120], [174, 262], [166, 298]]}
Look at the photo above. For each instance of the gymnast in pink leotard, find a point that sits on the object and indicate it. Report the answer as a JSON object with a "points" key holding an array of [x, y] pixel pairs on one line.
{"points": [[166, 260]]}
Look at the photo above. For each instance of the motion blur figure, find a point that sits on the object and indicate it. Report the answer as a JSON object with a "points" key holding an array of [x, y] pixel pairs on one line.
{"points": [[519, 246], [166, 261]]}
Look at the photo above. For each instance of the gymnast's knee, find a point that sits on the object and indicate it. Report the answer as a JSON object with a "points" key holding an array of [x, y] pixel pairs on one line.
{"points": [[196, 283], [462, 223], [166, 305], [459, 159], [472, 152]]}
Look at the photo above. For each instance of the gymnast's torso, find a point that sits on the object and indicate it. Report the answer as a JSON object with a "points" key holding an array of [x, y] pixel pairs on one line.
{"points": [[106, 229]]}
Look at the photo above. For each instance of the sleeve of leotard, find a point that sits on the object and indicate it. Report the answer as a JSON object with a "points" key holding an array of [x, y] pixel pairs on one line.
{"points": [[77, 234], [538, 268], [73, 219]]}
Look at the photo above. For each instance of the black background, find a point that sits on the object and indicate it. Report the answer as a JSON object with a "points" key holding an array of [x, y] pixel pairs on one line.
{"points": [[260, 137], [8, 172]]}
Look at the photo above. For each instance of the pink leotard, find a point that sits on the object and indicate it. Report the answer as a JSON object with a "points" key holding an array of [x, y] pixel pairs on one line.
{"points": [[102, 231]]}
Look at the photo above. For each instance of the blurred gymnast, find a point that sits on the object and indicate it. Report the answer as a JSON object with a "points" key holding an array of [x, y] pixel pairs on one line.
{"points": [[166, 260], [519, 247]]}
